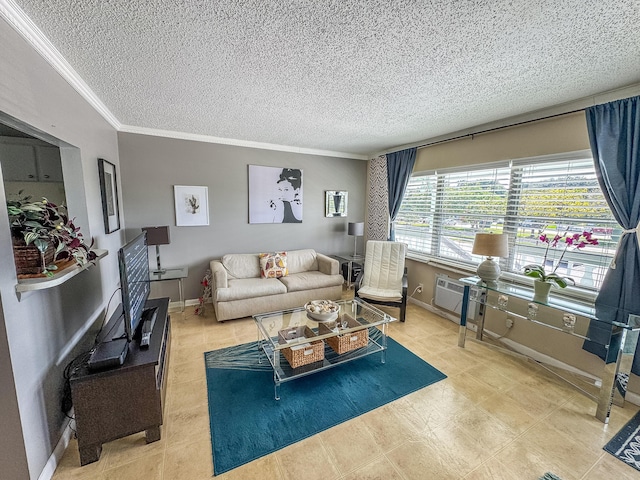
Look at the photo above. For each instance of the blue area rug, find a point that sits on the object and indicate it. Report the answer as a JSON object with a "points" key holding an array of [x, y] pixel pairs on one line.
{"points": [[625, 445], [248, 423]]}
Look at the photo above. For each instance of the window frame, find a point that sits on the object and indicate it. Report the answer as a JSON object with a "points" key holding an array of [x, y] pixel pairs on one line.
{"points": [[511, 220]]}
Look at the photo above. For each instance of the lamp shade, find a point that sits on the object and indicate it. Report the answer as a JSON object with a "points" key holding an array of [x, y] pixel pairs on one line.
{"points": [[491, 245], [356, 229], [157, 235]]}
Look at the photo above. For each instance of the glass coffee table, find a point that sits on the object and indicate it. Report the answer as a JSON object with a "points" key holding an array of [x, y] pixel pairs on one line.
{"points": [[297, 345]]}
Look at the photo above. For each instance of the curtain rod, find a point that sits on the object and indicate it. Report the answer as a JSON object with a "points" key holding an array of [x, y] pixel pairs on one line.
{"points": [[524, 122]]}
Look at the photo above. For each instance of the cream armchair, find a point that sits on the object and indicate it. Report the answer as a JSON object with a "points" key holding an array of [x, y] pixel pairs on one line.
{"points": [[383, 279]]}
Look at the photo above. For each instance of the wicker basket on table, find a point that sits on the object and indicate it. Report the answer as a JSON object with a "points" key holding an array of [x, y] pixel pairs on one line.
{"points": [[348, 341], [302, 354]]}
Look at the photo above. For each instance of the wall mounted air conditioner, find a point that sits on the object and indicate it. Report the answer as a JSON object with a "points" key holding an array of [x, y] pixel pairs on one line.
{"points": [[448, 296]]}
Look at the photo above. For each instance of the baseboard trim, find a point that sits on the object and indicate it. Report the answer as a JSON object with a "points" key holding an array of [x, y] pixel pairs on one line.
{"points": [[176, 306], [443, 313], [55, 457], [631, 397]]}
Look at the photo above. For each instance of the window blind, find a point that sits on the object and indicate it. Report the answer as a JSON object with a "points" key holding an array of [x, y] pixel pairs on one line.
{"points": [[443, 210]]}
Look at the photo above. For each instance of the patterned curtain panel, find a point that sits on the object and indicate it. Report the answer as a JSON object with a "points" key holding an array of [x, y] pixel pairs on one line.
{"points": [[614, 134], [377, 224]]}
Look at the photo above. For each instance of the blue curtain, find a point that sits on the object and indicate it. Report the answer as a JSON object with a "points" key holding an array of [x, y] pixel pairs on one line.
{"points": [[614, 134], [399, 169]]}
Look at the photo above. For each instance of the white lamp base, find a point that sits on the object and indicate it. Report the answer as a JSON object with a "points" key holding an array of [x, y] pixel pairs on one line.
{"points": [[488, 271]]}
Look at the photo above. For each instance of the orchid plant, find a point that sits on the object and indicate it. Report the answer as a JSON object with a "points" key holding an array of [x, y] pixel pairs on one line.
{"points": [[576, 241]]}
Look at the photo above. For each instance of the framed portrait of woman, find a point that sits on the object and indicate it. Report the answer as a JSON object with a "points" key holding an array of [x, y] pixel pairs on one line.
{"points": [[275, 194]]}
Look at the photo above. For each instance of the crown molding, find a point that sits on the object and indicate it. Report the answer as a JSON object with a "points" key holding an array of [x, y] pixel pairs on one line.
{"points": [[237, 143], [21, 23]]}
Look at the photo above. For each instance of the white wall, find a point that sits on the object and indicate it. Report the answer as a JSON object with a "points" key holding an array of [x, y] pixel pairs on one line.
{"points": [[151, 166], [41, 327]]}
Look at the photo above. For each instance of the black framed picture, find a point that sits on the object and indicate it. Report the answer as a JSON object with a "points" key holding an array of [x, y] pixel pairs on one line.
{"points": [[109, 193]]}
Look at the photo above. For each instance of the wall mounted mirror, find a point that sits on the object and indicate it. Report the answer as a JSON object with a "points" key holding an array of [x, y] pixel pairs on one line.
{"points": [[335, 203]]}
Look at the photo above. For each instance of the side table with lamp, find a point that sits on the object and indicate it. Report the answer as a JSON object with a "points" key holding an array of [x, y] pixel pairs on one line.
{"points": [[160, 236], [354, 229]]}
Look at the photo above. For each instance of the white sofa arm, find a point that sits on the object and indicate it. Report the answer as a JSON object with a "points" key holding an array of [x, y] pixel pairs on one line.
{"points": [[328, 265], [218, 275]]}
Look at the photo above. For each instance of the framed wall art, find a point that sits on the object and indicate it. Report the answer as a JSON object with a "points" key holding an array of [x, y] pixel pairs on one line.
{"points": [[335, 203], [192, 205], [109, 194], [275, 195]]}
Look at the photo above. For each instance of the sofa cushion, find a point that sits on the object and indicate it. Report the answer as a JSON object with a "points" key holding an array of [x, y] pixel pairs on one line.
{"points": [[297, 282], [301, 260], [273, 265], [242, 265], [239, 289]]}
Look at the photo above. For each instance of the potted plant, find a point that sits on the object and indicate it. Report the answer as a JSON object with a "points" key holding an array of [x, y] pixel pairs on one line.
{"points": [[543, 280], [48, 228]]}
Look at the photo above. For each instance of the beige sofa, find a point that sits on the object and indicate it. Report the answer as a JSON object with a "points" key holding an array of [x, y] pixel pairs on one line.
{"points": [[237, 290]]}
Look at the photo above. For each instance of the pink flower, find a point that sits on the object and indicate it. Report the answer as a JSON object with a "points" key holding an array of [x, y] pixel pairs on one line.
{"points": [[576, 240]]}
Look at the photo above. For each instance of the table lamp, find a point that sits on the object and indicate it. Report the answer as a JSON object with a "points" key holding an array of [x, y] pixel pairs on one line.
{"points": [[490, 245], [357, 230], [157, 236]]}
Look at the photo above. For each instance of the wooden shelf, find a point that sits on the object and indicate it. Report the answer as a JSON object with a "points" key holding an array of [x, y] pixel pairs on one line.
{"points": [[31, 284]]}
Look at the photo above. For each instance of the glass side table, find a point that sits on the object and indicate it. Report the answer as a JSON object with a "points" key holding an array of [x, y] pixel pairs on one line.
{"points": [[178, 274], [617, 340], [349, 260]]}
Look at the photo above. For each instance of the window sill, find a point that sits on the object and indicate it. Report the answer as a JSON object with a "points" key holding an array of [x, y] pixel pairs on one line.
{"points": [[570, 293], [32, 284]]}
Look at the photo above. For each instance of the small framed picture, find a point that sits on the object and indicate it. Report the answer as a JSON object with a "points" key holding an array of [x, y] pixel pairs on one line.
{"points": [[192, 205], [109, 194], [335, 203]]}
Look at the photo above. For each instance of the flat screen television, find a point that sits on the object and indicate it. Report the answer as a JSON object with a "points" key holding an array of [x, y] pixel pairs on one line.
{"points": [[133, 262]]}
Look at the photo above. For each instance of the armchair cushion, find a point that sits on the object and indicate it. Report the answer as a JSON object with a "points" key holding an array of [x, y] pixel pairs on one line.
{"points": [[384, 277], [380, 294], [384, 267]]}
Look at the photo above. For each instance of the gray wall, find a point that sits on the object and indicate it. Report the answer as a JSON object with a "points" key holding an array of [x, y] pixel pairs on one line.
{"points": [[150, 167], [39, 333]]}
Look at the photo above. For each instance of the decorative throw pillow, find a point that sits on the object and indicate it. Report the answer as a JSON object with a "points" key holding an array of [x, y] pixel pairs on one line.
{"points": [[273, 265]]}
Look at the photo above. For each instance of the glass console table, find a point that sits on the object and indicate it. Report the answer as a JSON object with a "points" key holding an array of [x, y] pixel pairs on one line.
{"points": [[617, 340], [179, 274], [366, 321]]}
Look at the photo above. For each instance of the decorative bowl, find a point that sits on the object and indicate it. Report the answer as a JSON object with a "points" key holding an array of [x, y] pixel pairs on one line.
{"points": [[322, 310]]}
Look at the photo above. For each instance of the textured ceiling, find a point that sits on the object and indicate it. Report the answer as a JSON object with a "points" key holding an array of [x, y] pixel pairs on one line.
{"points": [[343, 75]]}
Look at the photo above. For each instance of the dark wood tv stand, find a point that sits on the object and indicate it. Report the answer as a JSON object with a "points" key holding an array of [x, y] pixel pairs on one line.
{"points": [[120, 401]]}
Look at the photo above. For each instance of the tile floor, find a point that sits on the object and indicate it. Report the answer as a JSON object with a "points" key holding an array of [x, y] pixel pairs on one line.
{"points": [[494, 417]]}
